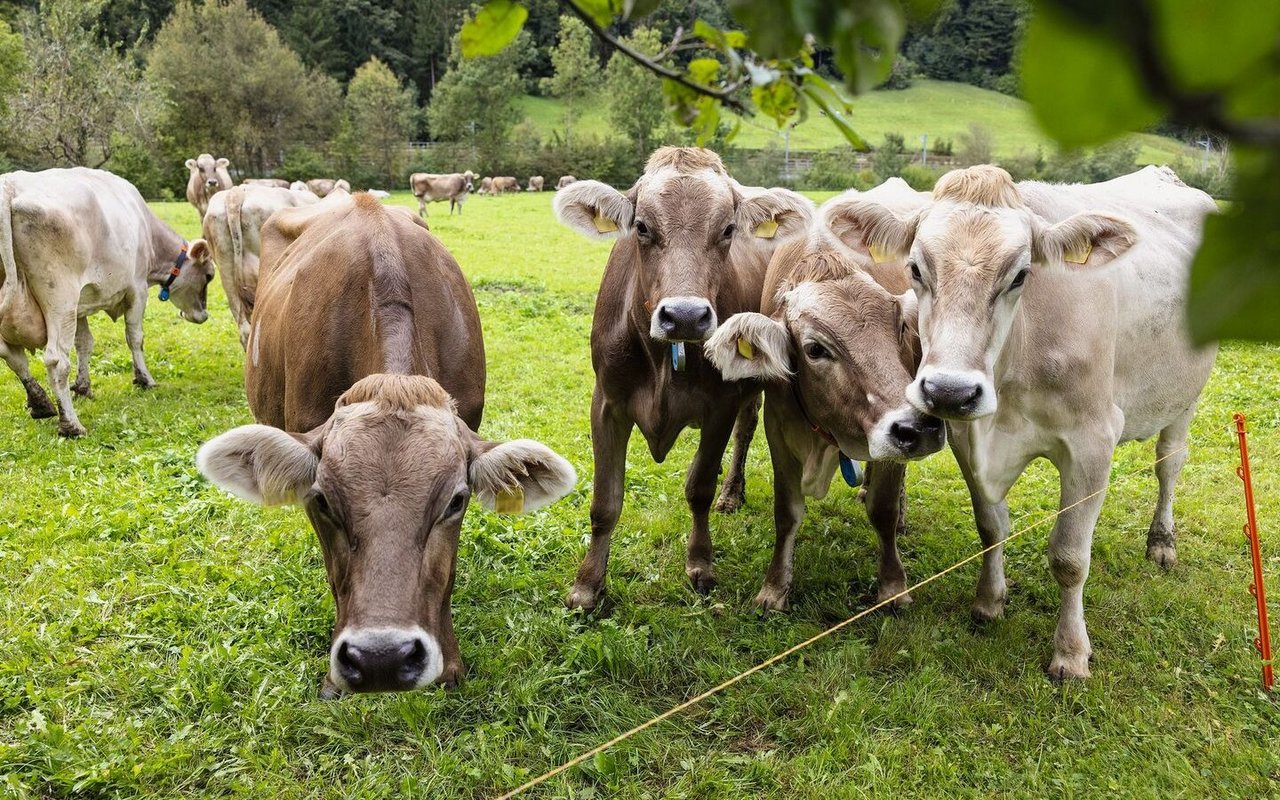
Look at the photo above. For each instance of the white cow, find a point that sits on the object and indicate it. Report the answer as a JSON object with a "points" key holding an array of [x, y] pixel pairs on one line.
{"points": [[1052, 325], [74, 242], [207, 176], [232, 226]]}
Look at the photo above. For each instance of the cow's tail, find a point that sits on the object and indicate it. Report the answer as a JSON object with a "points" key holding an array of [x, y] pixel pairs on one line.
{"points": [[235, 205], [9, 281]]}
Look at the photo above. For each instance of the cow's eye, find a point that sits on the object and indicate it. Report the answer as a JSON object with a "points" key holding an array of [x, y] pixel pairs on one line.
{"points": [[1019, 279], [816, 351], [456, 505], [643, 231], [728, 232], [915, 272]]}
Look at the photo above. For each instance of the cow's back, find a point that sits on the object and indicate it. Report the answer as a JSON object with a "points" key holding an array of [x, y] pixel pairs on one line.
{"points": [[348, 288]]}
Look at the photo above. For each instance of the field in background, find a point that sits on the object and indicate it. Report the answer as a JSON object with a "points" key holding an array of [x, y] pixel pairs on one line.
{"points": [[159, 638], [937, 108]]}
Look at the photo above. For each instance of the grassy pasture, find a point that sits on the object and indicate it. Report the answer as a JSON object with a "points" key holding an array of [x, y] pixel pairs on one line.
{"points": [[161, 639], [942, 109]]}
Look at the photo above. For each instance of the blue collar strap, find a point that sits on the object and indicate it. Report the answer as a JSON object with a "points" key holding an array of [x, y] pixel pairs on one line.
{"points": [[850, 471], [174, 272], [678, 359]]}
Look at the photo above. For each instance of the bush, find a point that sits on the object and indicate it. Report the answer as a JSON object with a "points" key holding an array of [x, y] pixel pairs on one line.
{"points": [[921, 178], [1025, 166], [1083, 166], [1216, 177], [834, 169], [942, 147], [134, 161], [302, 163], [890, 159], [901, 75], [977, 146], [759, 167]]}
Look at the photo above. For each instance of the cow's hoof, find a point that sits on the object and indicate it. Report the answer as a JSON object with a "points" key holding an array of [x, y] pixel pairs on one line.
{"points": [[328, 691], [989, 609], [1161, 548], [703, 578], [70, 430], [144, 381], [898, 599], [451, 677], [772, 599], [82, 389], [1069, 667], [582, 598], [729, 503], [42, 410]]}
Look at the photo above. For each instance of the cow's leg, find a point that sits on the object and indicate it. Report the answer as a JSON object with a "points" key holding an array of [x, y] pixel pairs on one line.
{"points": [[992, 521], [886, 510], [133, 336], [38, 402], [1171, 454], [422, 207], [57, 361], [453, 670], [84, 349], [610, 431], [700, 491], [788, 513], [1084, 483], [733, 493]]}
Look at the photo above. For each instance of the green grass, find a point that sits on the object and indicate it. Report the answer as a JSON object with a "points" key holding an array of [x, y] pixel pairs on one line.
{"points": [[159, 638], [940, 109]]}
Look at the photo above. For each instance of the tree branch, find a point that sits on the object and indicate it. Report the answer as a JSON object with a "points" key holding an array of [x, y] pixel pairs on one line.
{"points": [[600, 33]]}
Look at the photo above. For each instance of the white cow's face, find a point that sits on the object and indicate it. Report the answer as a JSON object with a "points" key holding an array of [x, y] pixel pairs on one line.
{"points": [[189, 292], [971, 252]]}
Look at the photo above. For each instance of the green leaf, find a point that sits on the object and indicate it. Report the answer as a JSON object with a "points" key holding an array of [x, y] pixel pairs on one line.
{"points": [[1081, 84], [494, 26], [1210, 45], [1235, 277], [821, 97], [631, 9], [703, 70], [602, 11], [776, 100]]}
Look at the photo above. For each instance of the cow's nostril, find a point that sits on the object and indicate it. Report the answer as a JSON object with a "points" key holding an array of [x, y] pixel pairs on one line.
{"points": [[904, 434], [349, 659], [704, 321]]}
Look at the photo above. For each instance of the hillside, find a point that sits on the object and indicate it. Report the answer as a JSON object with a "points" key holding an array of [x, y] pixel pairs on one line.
{"points": [[937, 108]]}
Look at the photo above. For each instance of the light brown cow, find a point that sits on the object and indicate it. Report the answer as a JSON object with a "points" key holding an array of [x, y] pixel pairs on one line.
{"points": [[836, 344], [321, 187], [429, 188], [232, 226], [486, 186], [1052, 325], [507, 184], [692, 248], [535, 184], [564, 181], [366, 366], [75, 242], [208, 175], [276, 183]]}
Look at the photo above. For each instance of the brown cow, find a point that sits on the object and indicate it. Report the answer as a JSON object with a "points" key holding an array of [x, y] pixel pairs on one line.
{"points": [[838, 350], [367, 363], [429, 188], [564, 181], [274, 183], [208, 176], [321, 187], [507, 184], [535, 184], [692, 249]]}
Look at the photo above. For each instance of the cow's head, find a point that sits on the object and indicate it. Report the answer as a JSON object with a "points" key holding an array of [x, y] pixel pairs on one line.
{"points": [[848, 348], [971, 251], [468, 181], [385, 482], [683, 217], [208, 170], [189, 291]]}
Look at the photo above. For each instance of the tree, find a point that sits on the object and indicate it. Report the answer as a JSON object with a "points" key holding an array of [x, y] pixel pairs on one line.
{"points": [[475, 100], [231, 87], [577, 72], [13, 62], [380, 118], [74, 93], [634, 94]]}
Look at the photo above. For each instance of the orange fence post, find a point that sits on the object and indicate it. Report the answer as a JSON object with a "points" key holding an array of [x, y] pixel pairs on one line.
{"points": [[1263, 642]]}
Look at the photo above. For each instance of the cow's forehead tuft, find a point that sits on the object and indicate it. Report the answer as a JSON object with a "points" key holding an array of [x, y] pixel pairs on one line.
{"points": [[964, 229], [669, 192]]}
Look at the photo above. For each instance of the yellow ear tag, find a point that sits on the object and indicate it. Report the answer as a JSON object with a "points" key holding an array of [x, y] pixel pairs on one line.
{"points": [[1079, 256], [767, 229], [604, 224], [509, 501], [878, 253], [745, 349]]}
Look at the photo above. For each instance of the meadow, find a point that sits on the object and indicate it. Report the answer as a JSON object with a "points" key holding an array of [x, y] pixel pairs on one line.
{"points": [[159, 638]]}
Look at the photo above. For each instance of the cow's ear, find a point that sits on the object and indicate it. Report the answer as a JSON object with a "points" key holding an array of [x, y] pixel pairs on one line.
{"points": [[774, 214], [261, 464], [868, 228], [191, 163], [594, 209], [1087, 239], [750, 346], [222, 162], [517, 476], [198, 250]]}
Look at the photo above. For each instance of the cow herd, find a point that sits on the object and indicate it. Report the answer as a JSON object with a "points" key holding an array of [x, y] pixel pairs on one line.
{"points": [[1012, 321], [455, 187]]}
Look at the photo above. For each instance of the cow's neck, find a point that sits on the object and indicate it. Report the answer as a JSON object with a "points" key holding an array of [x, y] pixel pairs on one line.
{"points": [[166, 244]]}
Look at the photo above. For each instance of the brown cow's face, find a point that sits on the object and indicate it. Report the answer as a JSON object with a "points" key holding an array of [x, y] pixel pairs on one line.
{"points": [[849, 348], [385, 482], [205, 168], [190, 290]]}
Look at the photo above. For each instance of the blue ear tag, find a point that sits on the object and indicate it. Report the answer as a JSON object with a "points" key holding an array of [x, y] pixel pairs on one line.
{"points": [[850, 471], [164, 293], [678, 360]]}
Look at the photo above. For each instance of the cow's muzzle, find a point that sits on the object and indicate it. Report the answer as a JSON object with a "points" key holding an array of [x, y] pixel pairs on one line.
{"points": [[906, 434], [384, 660], [953, 395], [683, 319], [211, 184]]}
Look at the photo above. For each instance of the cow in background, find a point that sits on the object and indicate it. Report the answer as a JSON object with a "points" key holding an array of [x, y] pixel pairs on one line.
{"points": [[505, 184], [208, 175], [429, 188], [535, 184], [323, 187], [276, 183], [564, 181], [74, 242]]}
